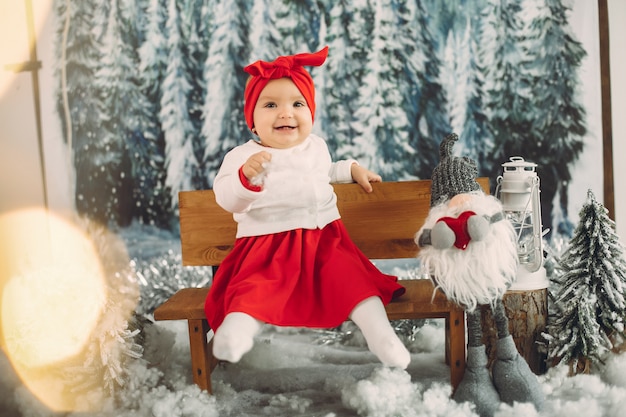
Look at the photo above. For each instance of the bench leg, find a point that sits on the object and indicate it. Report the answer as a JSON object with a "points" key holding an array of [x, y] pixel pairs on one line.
{"points": [[202, 360], [455, 346], [448, 330]]}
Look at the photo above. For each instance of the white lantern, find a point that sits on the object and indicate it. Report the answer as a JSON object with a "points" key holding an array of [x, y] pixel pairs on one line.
{"points": [[518, 190]]}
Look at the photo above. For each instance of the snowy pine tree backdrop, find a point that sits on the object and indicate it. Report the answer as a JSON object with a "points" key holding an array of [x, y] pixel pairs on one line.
{"points": [[150, 91]]}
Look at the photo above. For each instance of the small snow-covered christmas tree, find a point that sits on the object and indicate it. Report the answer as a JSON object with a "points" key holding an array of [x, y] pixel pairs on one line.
{"points": [[590, 298]]}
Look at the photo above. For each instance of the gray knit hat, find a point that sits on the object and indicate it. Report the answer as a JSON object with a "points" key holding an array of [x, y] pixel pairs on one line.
{"points": [[454, 175]]}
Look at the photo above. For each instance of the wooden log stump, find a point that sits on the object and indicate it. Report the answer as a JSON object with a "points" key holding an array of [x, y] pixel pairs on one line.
{"points": [[527, 312]]}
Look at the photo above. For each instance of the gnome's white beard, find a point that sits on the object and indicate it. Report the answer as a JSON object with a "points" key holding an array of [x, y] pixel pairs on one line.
{"points": [[482, 272]]}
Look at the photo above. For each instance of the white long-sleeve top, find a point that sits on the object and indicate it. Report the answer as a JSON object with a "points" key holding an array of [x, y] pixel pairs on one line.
{"points": [[297, 191]]}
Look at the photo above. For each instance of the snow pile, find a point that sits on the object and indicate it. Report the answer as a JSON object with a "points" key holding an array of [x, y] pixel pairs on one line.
{"points": [[390, 392], [188, 402], [568, 396], [614, 372], [289, 373], [430, 338]]}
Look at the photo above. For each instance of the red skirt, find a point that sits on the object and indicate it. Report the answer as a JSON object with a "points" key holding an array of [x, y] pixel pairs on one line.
{"points": [[302, 278]]}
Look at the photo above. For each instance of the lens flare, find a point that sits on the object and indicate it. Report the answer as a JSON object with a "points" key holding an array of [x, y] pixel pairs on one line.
{"points": [[52, 293]]}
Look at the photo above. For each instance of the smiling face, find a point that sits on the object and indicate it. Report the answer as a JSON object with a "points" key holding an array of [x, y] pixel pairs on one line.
{"points": [[282, 118]]}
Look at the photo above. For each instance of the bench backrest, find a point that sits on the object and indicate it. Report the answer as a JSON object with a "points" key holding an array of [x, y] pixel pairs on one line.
{"points": [[382, 223]]}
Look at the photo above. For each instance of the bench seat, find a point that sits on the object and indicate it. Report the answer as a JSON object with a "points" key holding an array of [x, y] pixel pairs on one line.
{"points": [[382, 224]]}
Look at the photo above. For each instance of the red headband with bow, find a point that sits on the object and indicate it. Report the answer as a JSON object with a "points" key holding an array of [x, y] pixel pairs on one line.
{"points": [[291, 66]]}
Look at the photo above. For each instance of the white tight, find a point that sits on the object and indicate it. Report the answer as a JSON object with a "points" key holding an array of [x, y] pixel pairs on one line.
{"points": [[235, 336], [370, 316]]}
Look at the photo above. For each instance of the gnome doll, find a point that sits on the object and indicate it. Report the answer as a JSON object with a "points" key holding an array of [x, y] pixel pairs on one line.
{"points": [[469, 251]]}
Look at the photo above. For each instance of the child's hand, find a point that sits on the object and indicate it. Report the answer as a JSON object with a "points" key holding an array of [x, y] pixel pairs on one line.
{"points": [[256, 164], [364, 177]]}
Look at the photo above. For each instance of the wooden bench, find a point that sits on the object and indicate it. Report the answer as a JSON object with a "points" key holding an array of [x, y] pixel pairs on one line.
{"points": [[382, 224]]}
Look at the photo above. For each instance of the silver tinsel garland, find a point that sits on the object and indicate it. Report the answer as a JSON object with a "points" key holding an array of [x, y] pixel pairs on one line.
{"points": [[349, 335], [161, 276]]}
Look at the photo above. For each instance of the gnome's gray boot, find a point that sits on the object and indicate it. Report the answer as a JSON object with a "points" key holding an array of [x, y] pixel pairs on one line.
{"points": [[512, 376], [476, 386]]}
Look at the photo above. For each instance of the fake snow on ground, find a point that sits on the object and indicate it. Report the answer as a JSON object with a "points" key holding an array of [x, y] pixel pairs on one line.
{"points": [[290, 372], [295, 372]]}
